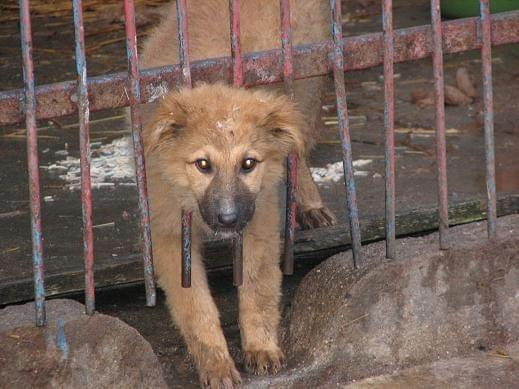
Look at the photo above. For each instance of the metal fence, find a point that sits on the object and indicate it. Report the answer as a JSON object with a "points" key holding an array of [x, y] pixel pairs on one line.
{"points": [[336, 55]]}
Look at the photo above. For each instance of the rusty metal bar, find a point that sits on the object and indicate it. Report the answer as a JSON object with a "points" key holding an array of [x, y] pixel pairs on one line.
{"points": [[237, 77], [337, 60], [84, 150], [185, 80], [439, 100], [389, 125], [486, 68], [186, 249], [138, 150], [288, 79], [32, 162], [360, 52]]}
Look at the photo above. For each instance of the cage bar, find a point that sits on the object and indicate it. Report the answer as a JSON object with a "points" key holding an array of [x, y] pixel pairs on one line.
{"points": [[439, 101], [389, 125], [237, 76], [185, 65], [288, 79], [488, 117], [344, 132], [32, 163], [84, 151], [138, 150], [360, 52]]}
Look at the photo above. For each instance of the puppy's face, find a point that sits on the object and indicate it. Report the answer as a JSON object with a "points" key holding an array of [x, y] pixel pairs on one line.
{"points": [[225, 146]]}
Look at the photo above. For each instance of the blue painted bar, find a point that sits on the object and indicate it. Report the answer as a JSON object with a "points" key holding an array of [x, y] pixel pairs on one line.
{"points": [[32, 163]]}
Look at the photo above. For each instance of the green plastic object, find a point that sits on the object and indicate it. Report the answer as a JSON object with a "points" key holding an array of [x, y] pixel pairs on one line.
{"points": [[466, 8]]}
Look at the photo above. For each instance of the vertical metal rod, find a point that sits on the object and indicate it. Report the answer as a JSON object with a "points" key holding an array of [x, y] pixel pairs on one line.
{"points": [[237, 76], [441, 155], [389, 125], [32, 163], [186, 249], [84, 149], [486, 67], [183, 55], [138, 149], [288, 78], [342, 113]]}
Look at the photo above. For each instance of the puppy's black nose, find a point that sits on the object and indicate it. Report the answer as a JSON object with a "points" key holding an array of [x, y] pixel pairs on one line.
{"points": [[228, 219]]}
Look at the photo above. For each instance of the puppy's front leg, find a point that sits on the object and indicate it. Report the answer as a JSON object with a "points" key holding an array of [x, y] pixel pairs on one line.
{"points": [[259, 301], [196, 315]]}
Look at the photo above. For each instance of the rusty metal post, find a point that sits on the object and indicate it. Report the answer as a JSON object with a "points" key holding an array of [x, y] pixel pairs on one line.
{"points": [[32, 162], [138, 149], [237, 76], [439, 100], [389, 125], [185, 65], [337, 60], [288, 79], [488, 104]]}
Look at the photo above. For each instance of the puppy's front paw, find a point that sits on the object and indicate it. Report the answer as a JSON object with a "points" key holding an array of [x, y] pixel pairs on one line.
{"points": [[316, 217], [262, 362], [221, 374]]}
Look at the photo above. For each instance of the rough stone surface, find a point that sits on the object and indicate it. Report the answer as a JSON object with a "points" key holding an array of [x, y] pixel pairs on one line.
{"points": [[427, 307], [73, 350]]}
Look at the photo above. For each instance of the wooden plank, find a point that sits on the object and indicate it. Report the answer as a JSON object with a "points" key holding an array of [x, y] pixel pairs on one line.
{"points": [[318, 243]]}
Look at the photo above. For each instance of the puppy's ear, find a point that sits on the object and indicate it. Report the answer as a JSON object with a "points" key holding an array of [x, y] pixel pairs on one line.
{"points": [[284, 124], [168, 120]]}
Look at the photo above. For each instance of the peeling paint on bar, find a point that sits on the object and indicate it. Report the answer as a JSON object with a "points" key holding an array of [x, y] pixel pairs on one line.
{"points": [[389, 125], [32, 163], [138, 150], [84, 147], [488, 118], [186, 249], [360, 52], [237, 77], [288, 79], [439, 101], [337, 60]]}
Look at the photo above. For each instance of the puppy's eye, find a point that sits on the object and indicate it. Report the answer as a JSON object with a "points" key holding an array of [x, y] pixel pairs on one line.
{"points": [[248, 165], [203, 165]]}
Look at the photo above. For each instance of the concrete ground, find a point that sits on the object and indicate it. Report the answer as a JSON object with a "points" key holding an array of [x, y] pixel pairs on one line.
{"points": [[115, 209]]}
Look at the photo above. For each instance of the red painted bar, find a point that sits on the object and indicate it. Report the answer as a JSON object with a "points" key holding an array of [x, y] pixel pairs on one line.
{"points": [[32, 163], [185, 80], [360, 52], [237, 77], [441, 155], [344, 131], [389, 125], [138, 150], [488, 104], [288, 79], [84, 150]]}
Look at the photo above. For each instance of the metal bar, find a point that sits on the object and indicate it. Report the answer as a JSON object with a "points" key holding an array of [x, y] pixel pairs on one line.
{"points": [[138, 150], [360, 52], [237, 77], [84, 149], [185, 80], [186, 249], [441, 155], [389, 125], [486, 68], [32, 163], [344, 132], [288, 79]]}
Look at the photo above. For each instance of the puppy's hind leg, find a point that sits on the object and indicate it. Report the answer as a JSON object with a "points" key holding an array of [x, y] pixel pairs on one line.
{"points": [[259, 298], [196, 315]]}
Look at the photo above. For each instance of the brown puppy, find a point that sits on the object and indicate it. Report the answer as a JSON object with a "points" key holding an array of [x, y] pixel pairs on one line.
{"points": [[208, 27], [220, 152]]}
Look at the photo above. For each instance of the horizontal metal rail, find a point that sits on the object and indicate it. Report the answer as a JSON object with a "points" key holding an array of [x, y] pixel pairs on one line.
{"points": [[360, 52]]}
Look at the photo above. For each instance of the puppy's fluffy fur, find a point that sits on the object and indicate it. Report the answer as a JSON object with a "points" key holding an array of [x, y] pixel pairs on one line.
{"points": [[226, 127]]}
